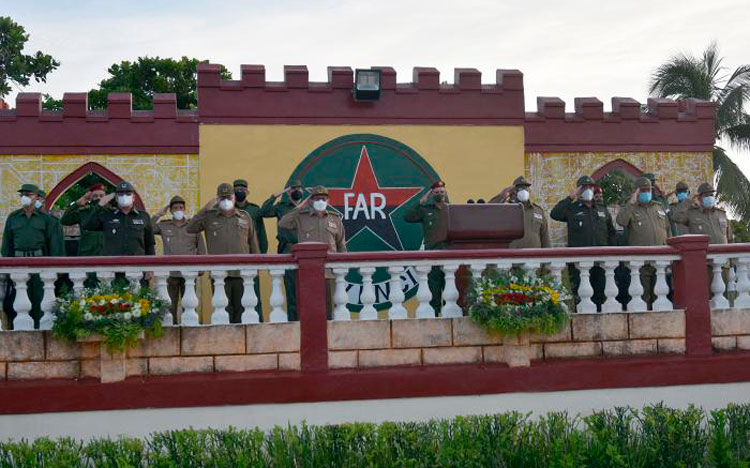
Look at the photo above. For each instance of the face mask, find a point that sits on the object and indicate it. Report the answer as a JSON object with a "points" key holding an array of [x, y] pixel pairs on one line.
{"points": [[320, 205], [681, 196], [296, 195], [125, 200], [709, 201], [523, 195], [644, 197], [439, 198], [226, 204], [587, 195], [178, 215], [38, 204], [25, 200], [240, 196]]}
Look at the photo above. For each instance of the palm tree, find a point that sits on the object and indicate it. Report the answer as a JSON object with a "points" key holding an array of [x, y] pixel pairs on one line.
{"points": [[685, 76]]}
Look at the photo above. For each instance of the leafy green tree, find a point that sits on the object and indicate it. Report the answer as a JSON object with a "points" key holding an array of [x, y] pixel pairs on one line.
{"points": [[15, 66], [685, 76], [617, 188]]}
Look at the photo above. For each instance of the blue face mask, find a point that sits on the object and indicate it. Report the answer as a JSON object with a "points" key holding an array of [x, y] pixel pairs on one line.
{"points": [[644, 197], [681, 196], [709, 201]]}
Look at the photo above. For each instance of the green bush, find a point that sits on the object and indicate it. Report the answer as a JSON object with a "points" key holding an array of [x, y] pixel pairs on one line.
{"points": [[655, 436]]}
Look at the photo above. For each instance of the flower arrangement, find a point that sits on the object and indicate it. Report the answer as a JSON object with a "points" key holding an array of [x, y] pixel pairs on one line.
{"points": [[513, 303], [119, 315]]}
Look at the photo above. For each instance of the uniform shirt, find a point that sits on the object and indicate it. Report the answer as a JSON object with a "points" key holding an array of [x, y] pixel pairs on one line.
{"points": [[667, 209], [177, 240], [712, 222], [232, 234], [588, 226], [535, 231], [260, 229], [312, 226], [676, 210], [434, 221], [270, 209], [38, 232], [647, 224], [123, 234], [90, 242]]}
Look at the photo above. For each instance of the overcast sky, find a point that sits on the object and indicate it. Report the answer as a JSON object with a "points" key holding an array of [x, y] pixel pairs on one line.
{"points": [[564, 48]]}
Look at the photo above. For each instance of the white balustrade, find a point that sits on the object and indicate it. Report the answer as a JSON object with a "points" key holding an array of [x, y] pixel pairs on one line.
{"points": [[134, 278], [367, 297], [78, 277], [278, 314], [340, 298], [718, 301], [661, 289], [190, 301], [220, 301], [22, 304], [731, 283], [476, 271], [610, 288], [424, 296], [48, 301], [160, 279], [397, 296], [585, 291], [450, 293], [105, 278], [743, 284], [636, 304], [249, 300]]}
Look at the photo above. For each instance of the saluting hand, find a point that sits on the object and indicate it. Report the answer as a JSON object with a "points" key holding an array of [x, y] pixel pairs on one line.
{"points": [[634, 197], [425, 196], [162, 212], [106, 199], [210, 204], [84, 199], [575, 193]]}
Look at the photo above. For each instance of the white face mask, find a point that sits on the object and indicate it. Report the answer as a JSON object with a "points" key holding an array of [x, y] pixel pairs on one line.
{"points": [[38, 204], [178, 215], [319, 205], [226, 204], [522, 195], [25, 200], [587, 195], [125, 200]]}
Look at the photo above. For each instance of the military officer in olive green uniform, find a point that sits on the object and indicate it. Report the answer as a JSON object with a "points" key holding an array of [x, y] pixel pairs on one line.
{"points": [[659, 197], [589, 225], [704, 217], [432, 214], [277, 206], [176, 241], [648, 224], [536, 233], [680, 207], [89, 242], [240, 195], [41, 201], [228, 231], [31, 233]]}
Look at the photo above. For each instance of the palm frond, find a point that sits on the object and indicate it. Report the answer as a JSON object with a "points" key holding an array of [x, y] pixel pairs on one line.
{"points": [[681, 77], [732, 185], [730, 110], [711, 62], [739, 135]]}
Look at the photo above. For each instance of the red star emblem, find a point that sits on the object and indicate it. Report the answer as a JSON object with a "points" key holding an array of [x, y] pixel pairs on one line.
{"points": [[367, 205]]}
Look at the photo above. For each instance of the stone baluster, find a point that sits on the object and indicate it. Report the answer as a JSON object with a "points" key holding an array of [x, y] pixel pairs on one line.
{"points": [[160, 279], [340, 297], [48, 302], [636, 304], [661, 288], [22, 304], [189, 316], [424, 309], [450, 293], [134, 278], [368, 311], [556, 269], [220, 301], [585, 291], [476, 271], [77, 277], [105, 278], [743, 284], [397, 297], [249, 300], [732, 282], [278, 313], [610, 288], [718, 301]]}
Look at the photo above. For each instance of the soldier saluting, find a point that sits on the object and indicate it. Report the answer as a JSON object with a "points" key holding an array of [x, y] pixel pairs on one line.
{"points": [[704, 217], [535, 230]]}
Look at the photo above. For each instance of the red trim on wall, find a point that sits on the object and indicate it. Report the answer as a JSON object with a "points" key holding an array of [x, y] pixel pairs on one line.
{"points": [[616, 165], [24, 397], [88, 168], [311, 285], [690, 284]]}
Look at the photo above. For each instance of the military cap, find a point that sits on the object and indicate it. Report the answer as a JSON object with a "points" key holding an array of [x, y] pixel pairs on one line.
{"points": [[295, 183], [224, 190], [176, 199], [650, 176], [319, 190], [642, 182], [681, 187], [705, 187], [95, 187], [521, 182], [124, 187], [41, 193], [585, 180], [240, 183], [28, 188], [437, 184]]}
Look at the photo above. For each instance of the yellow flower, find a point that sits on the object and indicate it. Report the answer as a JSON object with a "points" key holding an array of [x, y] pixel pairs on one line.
{"points": [[145, 306]]}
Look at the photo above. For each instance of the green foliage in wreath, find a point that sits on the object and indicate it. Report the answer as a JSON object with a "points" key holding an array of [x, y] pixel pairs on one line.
{"points": [[119, 314], [512, 303]]}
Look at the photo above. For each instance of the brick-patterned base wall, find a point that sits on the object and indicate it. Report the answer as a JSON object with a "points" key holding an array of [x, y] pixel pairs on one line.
{"points": [[730, 329]]}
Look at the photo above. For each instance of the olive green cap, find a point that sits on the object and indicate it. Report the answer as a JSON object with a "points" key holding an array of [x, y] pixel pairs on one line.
{"points": [[224, 190], [319, 190], [585, 180], [642, 182], [28, 188], [240, 183], [681, 187], [521, 182], [295, 183], [176, 199], [41, 193], [705, 187], [650, 176]]}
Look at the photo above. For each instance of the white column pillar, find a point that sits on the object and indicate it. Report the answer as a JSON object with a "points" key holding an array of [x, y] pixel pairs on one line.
{"points": [[278, 313], [77, 277], [340, 298], [661, 289], [424, 309], [450, 293], [134, 278], [585, 290], [556, 269], [476, 271], [636, 304], [22, 304], [397, 297], [743, 284], [368, 311], [610, 288], [160, 279], [190, 301], [732, 282], [105, 277], [249, 300], [220, 301], [48, 302], [718, 301]]}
